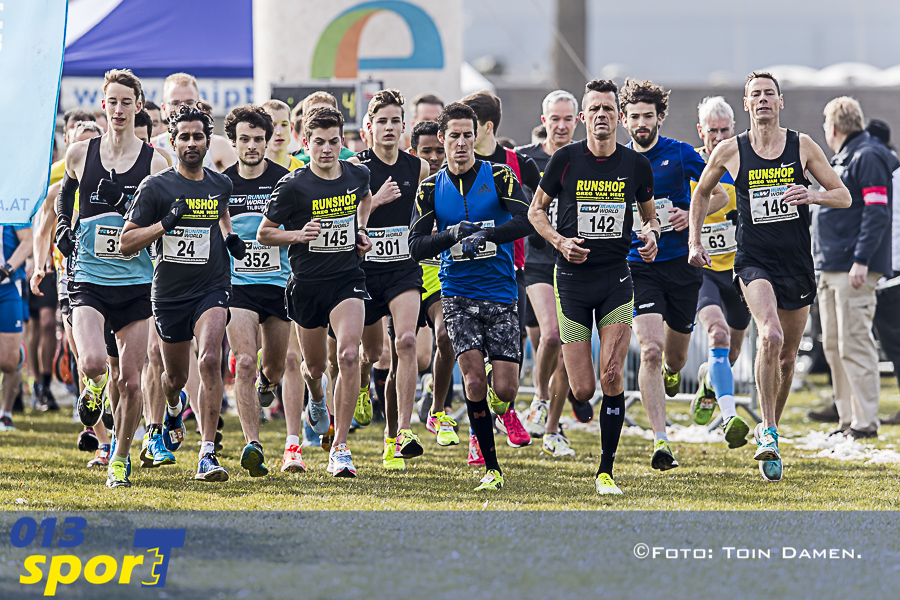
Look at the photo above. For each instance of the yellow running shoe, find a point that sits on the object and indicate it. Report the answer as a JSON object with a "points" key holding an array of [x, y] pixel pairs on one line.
{"points": [[408, 445], [388, 460], [606, 486], [363, 411], [492, 480], [446, 435], [497, 406], [672, 382]]}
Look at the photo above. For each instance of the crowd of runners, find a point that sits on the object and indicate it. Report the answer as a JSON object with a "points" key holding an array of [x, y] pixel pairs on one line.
{"points": [[336, 283]]}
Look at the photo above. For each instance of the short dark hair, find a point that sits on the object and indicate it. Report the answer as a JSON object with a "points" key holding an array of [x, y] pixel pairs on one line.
{"points": [[456, 110], [422, 128], [322, 117], [539, 132], [486, 106], [385, 98], [761, 75], [150, 105], [636, 91], [186, 114], [248, 113], [77, 114], [143, 119], [426, 99], [506, 142], [604, 86]]}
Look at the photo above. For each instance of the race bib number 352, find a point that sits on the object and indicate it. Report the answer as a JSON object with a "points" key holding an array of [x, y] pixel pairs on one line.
{"points": [[337, 235], [186, 245], [767, 205], [258, 259]]}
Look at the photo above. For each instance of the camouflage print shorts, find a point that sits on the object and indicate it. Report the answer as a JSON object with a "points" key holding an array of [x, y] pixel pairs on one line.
{"points": [[491, 327]]}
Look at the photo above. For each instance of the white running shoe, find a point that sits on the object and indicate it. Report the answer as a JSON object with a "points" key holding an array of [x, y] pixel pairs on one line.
{"points": [[340, 463], [536, 417], [556, 445]]}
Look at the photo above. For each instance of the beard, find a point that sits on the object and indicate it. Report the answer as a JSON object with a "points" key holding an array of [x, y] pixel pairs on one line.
{"points": [[648, 140], [192, 161], [252, 162]]}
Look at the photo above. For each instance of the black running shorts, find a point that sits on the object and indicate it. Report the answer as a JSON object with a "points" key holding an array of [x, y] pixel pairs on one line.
{"points": [[175, 321], [490, 327], [265, 299], [48, 300], [718, 290], [384, 286], [538, 273], [669, 288], [792, 292], [119, 305], [603, 296], [309, 304]]}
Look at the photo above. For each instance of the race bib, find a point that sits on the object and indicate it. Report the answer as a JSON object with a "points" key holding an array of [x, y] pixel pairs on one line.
{"points": [[767, 205], [258, 259], [389, 244], [600, 220], [430, 262], [186, 245], [337, 235], [106, 243], [490, 248], [552, 212], [662, 213], [718, 238]]}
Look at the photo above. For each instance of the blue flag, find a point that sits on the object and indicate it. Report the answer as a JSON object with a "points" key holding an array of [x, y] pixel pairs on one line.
{"points": [[32, 41]]}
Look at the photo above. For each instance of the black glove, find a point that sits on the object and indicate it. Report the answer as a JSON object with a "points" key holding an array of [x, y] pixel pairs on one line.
{"points": [[475, 242], [537, 241], [5, 272], [732, 216], [236, 246], [178, 210], [65, 239], [462, 230], [109, 191]]}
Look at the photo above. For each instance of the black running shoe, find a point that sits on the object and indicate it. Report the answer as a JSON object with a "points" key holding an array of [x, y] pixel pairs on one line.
{"points": [[87, 440], [583, 411]]}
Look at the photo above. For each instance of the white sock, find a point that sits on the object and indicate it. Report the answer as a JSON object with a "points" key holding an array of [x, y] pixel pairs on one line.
{"points": [[207, 448], [6, 413], [174, 411], [726, 403], [660, 435], [292, 440]]}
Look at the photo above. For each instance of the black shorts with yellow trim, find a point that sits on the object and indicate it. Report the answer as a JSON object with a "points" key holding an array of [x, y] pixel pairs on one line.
{"points": [[586, 296]]}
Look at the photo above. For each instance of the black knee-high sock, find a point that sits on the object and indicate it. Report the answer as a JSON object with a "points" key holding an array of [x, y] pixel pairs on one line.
{"points": [[379, 379], [482, 423], [612, 416]]}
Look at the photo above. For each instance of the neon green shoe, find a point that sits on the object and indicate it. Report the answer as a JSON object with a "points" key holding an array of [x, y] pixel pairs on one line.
{"points": [[704, 403], [606, 486], [736, 430], [671, 382], [446, 434], [498, 406], [492, 480], [663, 459], [117, 475], [408, 445], [363, 412], [388, 460]]}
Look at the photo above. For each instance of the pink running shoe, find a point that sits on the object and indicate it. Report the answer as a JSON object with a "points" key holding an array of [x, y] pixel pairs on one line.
{"points": [[516, 436], [432, 424], [475, 457]]}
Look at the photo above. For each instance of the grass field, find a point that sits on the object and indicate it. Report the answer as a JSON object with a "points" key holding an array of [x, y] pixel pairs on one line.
{"points": [[40, 469]]}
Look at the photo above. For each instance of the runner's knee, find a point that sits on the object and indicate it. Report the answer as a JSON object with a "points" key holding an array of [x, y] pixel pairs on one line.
{"points": [[719, 336]]}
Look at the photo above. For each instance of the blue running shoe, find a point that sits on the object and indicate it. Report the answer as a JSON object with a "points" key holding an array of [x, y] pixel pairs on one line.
{"points": [[766, 444], [174, 431], [771, 470], [157, 449], [311, 439], [209, 469], [317, 416], [253, 460]]}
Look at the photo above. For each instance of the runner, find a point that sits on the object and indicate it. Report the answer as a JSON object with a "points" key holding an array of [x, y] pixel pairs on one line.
{"points": [[425, 107], [324, 209], [277, 149], [317, 100], [559, 118], [665, 292], [597, 183], [110, 288], [720, 309], [480, 209], [773, 264], [393, 278], [15, 248], [184, 210], [159, 124]]}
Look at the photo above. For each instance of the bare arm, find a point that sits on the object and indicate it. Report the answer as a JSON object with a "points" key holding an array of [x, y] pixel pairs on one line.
{"points": [[700, 201], [569, 248], [718, 200], [222, 153], [835, 194], [225, 223], [22, 251], [159, 162], [135, 238], [363, 244]]}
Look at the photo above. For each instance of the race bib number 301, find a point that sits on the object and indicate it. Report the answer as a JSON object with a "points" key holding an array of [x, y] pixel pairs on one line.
{"points": [[186, 245], [600, 220], [389, 244], [718, 238], [767, 205], [106, 243], [337, 235], [258, 259]]}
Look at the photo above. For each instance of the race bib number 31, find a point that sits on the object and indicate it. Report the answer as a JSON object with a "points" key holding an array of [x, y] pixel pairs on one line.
{"points": [[186, 245], [767, 205], [258, 259], [600, 220], [106, 243], [389, 244], [337, 235]]}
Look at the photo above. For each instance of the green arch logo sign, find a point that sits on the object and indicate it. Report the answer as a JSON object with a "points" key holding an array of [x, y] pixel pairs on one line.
{"points": [[337, 52]]}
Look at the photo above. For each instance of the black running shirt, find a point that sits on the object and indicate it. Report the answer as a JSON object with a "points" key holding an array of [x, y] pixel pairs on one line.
{"points": [[544, 256]]}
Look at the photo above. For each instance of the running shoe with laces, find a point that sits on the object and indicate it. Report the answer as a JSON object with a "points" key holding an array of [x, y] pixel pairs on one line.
{"points": [[317, 416], [292, 460], [90, 402], [327, 439], [209, 469], [101, 457], [265, 390], [704, 403], [536, 417], [340, 462], [606, 486], [672, 382], [117, 475], [87, 440], [112, 452], [497, 406], [407, 445], [582, 411], [388, 460], [491, 481], [446, 430], [556, 445], [107, 415], [475, 458], [766, 443], [173, 430], [663, 459], [155, 453], [6, 424], [363, 411], [431, 423], [510, 424], [736, 430], [253, 459]]}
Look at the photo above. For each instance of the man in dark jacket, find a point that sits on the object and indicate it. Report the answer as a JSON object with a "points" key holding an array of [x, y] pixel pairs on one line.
{"points": [[852, 251]]}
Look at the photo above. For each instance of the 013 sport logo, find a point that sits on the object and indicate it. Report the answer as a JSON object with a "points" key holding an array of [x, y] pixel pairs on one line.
{"points": [[66, 569]]}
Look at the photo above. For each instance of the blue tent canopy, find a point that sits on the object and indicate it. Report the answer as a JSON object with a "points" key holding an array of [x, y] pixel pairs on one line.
{"points": [[207, 38]]}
